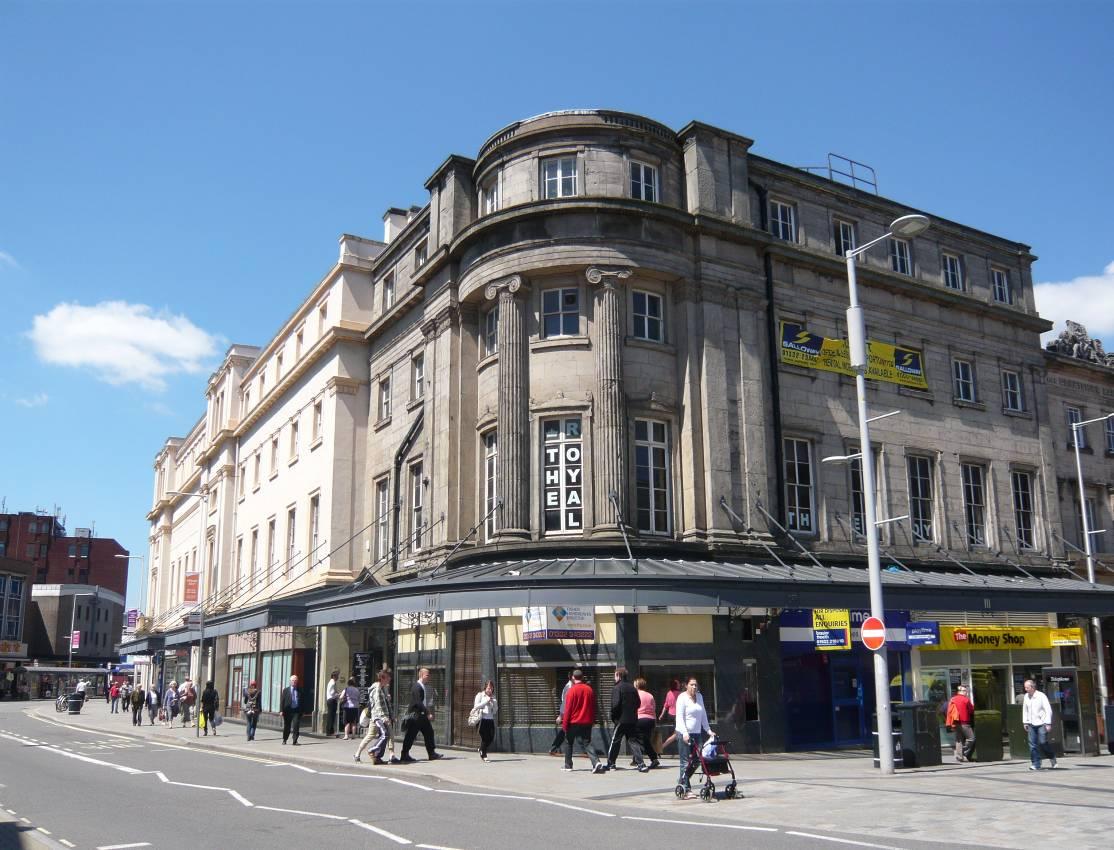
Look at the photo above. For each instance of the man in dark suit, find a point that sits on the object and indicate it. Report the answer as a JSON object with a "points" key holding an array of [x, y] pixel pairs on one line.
{"points": [[292, 705], [624, 714], [420, 715]]}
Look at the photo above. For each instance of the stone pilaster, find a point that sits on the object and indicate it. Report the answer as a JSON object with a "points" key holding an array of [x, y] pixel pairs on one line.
{"points": [[512, 430], [609, 445]]}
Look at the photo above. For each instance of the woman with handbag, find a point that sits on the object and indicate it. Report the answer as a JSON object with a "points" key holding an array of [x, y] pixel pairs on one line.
{"points": [[484, 709], [249, 705], [350, 705]]}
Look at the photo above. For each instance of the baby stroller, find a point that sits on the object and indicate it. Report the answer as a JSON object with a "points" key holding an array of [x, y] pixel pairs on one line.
{"points": [[710, 760]]}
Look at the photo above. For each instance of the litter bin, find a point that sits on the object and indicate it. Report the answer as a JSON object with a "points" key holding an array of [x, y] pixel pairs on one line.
{"points": [[75, 701], [920, 733], [988, 736], [896, 727], [1019, 738]]}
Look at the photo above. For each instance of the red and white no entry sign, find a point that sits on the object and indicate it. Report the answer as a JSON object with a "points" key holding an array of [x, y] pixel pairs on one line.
{"points": [[873, 633]]}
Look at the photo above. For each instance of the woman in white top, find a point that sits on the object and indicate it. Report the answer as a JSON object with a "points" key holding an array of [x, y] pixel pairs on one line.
{"points": [[692, 724], [350, 703], [489, 706]]}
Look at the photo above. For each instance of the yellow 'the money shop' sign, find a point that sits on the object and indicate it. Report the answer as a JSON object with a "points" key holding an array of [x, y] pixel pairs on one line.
{"points": [[894, 364], [1005, 637]]}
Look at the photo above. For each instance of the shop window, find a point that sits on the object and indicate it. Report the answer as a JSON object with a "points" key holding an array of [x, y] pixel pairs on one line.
{"points": [[562, 478]]}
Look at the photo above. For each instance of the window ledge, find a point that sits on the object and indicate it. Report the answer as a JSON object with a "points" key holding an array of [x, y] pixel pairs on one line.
{"points": [[292, 461], [560, 342], [487, 360], [316, 443], [1019, 414], [415, 404], [381, 424], [915, 393], [1083, 450], [653, 345], [973, 405], [273, 475]]}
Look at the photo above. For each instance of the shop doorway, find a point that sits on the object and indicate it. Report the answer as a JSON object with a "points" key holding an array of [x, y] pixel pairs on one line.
{"points": [[467, 682], [989, 690], [829, 699]]}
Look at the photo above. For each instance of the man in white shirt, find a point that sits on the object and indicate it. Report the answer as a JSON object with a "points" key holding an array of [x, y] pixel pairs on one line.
{"points": [[1036, 715], [331, 703]]}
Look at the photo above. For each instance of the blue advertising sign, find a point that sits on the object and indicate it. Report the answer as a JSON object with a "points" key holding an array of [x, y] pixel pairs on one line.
{"points": [[922, 633], [831, 638]]}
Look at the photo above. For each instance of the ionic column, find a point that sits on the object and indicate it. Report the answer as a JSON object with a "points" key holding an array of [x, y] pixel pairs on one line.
{"points": [[512, 429], [609, 445]]}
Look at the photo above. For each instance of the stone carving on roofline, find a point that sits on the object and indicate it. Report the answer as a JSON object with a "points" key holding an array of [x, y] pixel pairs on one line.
{"points": [[1075, 342]]}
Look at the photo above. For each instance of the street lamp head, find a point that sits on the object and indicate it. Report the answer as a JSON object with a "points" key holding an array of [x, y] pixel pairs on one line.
{"points": [[909, 226]]}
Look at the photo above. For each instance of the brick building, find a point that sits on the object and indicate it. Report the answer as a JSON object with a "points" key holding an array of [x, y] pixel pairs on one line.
{"points": [[59, 558]]}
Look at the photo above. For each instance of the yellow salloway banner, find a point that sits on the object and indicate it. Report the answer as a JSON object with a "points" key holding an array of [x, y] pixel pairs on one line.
{"points": [[894, 364], [1005, 637]]}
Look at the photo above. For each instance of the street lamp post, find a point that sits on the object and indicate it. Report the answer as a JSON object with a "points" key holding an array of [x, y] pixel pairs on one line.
{"points": [[1088, 549], [203, 495], [907, 226], [143, 579]]}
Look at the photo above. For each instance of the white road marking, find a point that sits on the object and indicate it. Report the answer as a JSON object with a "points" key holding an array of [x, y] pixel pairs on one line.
{"points": [[576, 808], [704, 823], [484, 794], [43, 831], [354, 775], [124, 846], [404, 782], [397, 839], [67, 843], [299, 812], [25, 820], [90, 760], [34, 716], [10, 811], [240, 798], [843, 840], [434, 847]]}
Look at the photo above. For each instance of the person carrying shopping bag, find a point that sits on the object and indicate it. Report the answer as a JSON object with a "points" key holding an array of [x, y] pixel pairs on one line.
{"points": [[484, 709]]}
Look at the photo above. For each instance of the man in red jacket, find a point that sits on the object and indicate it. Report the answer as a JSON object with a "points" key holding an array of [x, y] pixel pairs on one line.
{"points": [[961, 717], [577, 720]]}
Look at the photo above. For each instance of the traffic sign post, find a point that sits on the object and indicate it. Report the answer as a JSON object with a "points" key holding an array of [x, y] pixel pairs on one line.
{"points": [[873, 633]]}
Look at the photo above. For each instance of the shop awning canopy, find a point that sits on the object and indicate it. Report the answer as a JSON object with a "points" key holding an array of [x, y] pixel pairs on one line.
{"points": [[654, 583], [141, 645]]}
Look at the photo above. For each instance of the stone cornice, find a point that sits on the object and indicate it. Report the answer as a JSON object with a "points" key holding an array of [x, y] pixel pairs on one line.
{"points": [[334, 336], [886, 208], [337, 385]]}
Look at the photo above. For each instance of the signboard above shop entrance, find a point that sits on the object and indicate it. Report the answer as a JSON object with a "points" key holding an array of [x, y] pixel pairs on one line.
{"points": [[831, 628], [1005, 637], [559, 622]]}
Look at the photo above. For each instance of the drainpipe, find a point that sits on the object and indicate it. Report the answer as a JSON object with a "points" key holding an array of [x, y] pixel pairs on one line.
{"points": [[400, 456], [778, 500]]}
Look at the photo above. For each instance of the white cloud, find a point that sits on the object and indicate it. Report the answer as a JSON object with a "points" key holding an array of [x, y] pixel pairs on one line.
{"points": [[7, 259], [37, 400], [1088, 300], [121, 343]]}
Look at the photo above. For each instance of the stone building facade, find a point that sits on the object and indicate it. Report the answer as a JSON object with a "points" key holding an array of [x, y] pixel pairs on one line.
{"points": [[606, 351]]}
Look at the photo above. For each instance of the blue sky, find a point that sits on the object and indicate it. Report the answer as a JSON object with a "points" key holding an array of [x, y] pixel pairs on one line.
{"points": [[174, 176]]}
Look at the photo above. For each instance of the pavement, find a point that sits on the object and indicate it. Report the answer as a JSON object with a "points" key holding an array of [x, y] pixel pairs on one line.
{"points": [[833, 797]]}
